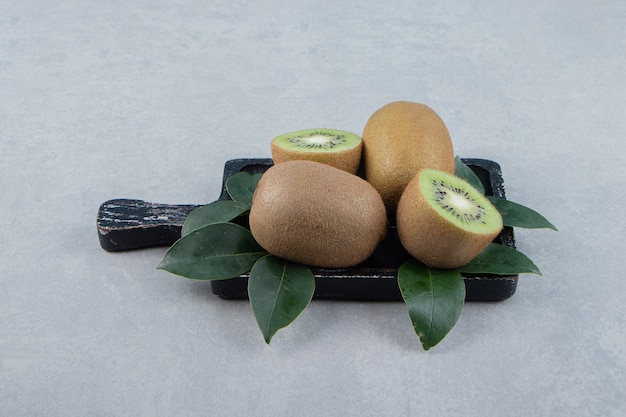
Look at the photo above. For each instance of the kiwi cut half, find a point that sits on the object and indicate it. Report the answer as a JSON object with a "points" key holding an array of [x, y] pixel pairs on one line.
{"points": [[333, 147], [443, 221]]}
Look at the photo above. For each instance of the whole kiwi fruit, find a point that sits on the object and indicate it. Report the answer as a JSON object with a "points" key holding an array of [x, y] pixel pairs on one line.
{"points": [[399, 139], [317, 215], [443, 221], [337, 148]]}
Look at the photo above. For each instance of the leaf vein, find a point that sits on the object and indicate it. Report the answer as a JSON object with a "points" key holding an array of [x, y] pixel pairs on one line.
{"points": [[432, 302], [282, 280]]}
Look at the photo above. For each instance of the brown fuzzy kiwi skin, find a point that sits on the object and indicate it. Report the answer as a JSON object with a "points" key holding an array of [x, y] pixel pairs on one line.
{"points": [[399, 139], [432, 239], [347, 160], [317, 215]]}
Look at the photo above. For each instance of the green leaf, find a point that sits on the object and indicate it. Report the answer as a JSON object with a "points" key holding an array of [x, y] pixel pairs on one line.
{"points": [[463, 171], [241, 186], [517, 215], [501, 260], [434, 297], [279, 291], [216, 251], [216, 212]]}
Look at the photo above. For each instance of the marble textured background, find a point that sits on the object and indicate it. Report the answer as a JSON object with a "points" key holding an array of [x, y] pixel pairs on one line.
{"points": [[148, 99]]}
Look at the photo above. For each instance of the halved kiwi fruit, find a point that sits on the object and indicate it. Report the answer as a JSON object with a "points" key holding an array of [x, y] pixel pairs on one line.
{"points": [[333, 147], [443, 221]]}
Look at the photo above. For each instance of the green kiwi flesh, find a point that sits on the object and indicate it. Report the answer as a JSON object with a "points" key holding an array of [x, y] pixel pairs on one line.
{"points": [[460, 204], [318, 140]]}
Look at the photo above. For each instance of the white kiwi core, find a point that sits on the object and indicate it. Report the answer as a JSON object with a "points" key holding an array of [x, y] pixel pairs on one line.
{"points": [[318, 140]]}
